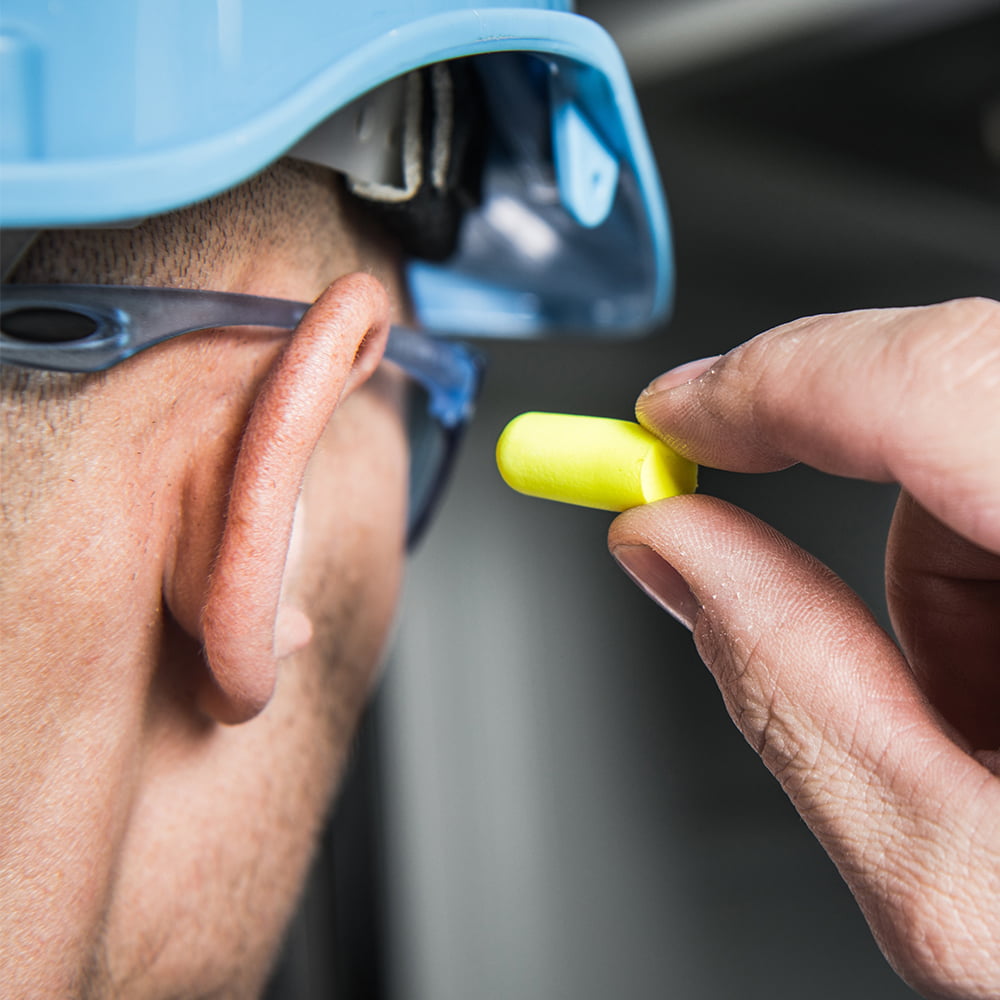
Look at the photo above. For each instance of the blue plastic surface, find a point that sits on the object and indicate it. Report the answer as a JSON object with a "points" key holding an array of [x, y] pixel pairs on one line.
{"points": [[586, 169], [120, 109]]}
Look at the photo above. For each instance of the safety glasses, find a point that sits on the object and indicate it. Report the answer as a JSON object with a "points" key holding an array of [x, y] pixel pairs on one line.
{"points": [[89, 328]]}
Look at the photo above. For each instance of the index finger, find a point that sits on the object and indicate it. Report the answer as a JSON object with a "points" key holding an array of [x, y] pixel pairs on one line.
{"points": [[904, 395]]}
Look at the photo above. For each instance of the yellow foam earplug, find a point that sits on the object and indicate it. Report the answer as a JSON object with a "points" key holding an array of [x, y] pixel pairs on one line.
{"points": [[590, 461]]}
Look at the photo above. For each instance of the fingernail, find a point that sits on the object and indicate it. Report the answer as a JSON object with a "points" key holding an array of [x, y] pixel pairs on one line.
{"points": [[659, 580], [681, 375]]}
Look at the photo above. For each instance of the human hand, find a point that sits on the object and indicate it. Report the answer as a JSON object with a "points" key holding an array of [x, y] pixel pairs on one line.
{"points": [[890, 754]]}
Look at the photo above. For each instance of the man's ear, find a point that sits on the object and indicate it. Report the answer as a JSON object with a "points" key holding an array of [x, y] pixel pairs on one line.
{"points": [[234, 605]]}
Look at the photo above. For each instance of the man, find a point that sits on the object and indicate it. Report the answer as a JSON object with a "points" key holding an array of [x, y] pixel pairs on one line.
{"points": [[206, 500], [202, 544], [143, 842]]}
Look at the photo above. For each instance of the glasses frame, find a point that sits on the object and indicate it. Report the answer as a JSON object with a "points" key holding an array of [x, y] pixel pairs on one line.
{"points": [[129, 319]]}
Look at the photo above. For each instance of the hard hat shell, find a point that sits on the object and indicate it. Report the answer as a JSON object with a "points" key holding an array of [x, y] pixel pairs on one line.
{"points": [[119, 109]]}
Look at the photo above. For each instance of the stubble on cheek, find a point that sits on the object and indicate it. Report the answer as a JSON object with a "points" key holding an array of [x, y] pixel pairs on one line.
{"points": [[223, 840], [352, 595]]}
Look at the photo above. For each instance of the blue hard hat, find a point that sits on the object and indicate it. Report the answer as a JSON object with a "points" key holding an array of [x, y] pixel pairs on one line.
{"points": [[115, 110]]}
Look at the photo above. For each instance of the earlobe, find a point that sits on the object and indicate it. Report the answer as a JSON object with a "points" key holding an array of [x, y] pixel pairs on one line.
{"points": [[244, 626]]}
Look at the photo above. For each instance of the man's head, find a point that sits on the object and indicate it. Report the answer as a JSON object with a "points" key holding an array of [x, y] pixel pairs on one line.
{"points": [[200, 547], [204, 485]]}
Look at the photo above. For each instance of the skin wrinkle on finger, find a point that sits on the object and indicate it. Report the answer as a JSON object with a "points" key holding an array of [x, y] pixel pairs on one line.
{"points": [[934, 930], [769, 371], [753, 694], [744, 637], [815, 760], [727, 600], [910, 819], [859, 394]]}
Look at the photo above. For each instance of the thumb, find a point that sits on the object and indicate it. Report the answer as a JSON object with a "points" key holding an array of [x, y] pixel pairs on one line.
{"points": [[828, 701], [788, 642]]}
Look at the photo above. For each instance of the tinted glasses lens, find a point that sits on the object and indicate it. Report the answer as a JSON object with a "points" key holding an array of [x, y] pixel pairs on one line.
{"points": [[430, 454]]}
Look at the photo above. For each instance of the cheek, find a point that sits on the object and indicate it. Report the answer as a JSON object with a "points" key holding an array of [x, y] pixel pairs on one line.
{"points": [[357, 481], [354, 537], [253, 797]]}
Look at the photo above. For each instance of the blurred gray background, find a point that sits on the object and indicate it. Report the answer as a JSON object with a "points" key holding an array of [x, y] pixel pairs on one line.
{"points": [[548, 800]]}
